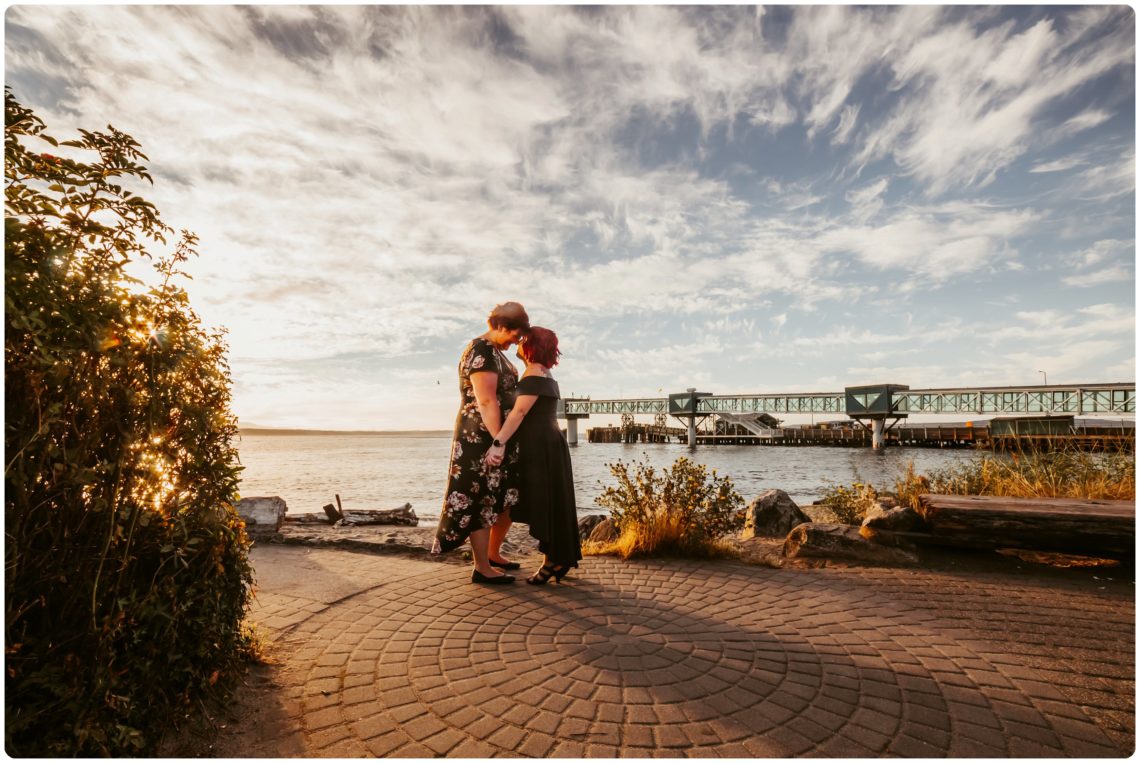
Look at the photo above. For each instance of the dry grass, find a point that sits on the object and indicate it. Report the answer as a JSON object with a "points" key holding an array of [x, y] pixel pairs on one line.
{"points": [[1063, 473], [661, 534]]}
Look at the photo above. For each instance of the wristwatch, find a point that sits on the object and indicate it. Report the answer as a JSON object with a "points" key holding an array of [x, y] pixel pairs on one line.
{"points": [[496, 444]]}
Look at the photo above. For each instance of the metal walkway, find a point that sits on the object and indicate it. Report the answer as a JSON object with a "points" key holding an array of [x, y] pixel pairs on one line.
{"points": [[1077, 399]]}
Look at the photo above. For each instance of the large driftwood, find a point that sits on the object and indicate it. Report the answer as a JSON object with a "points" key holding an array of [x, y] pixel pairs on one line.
{"points": [[401, 516], [1052, 524], [841, 541], [404, 515]]}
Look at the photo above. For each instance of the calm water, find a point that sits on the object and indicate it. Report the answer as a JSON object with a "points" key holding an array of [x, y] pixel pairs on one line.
{"points": [[382, 471]]}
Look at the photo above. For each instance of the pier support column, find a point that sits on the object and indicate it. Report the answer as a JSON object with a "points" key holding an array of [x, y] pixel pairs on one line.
{"points": [[692, 431], [572, 431], [877, 427]]}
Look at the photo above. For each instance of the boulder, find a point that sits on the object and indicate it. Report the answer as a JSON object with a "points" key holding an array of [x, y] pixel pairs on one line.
{"points": [[773, 514], [587, 524], [880, 506], [903, 519], [262, 515], [603, 532], [839, 541]]}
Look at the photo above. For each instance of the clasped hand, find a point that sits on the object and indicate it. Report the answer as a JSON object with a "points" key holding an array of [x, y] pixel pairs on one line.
{"points": [[494, 455]]}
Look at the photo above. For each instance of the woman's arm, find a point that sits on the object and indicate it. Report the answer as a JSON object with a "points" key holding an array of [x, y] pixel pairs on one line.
{"points": [[484, 384], [523, 404]]}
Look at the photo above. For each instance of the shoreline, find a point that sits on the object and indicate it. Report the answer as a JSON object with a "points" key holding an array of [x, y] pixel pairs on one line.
{"points": [[418, 540]]}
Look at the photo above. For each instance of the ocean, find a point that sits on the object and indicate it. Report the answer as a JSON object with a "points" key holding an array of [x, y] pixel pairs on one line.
{"points": [[383, 470]]}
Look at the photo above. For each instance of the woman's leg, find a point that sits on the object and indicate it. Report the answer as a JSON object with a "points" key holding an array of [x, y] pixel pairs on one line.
{"points": [[498, 535], [479, 539]]}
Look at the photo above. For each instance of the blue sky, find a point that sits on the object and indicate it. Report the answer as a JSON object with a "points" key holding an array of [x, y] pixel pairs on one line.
{"points": [[736, 199]]}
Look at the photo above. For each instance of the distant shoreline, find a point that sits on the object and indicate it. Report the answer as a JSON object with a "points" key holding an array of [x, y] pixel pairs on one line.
{"points": [[326, 432]]}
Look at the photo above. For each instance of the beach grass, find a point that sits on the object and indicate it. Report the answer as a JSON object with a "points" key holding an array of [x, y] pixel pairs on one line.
{"points": [[1032, 473]]}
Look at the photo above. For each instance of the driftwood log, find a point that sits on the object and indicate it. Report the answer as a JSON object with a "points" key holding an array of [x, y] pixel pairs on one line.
{"points": [[403, 515], [833, 540], [1048, 524]]}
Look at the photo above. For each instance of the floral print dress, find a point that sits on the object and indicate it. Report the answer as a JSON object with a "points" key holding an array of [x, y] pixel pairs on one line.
{"points": [[476, 493]]}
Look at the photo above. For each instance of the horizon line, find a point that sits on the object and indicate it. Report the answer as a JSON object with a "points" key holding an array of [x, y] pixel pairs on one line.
{"points": [[257, 428]]}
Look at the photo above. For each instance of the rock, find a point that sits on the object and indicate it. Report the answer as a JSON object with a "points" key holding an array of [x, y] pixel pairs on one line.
{"points": [[603, 532], [900, 527], [587, 524], [880, 506], [263, 515], [903, 519], [772, 515], [838, 541]]}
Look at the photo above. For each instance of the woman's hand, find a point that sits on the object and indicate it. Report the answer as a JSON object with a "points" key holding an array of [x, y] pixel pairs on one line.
{"points": [[494, 455]]}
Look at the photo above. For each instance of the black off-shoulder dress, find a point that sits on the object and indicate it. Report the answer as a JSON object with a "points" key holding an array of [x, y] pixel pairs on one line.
{"points": [[545, 477]]}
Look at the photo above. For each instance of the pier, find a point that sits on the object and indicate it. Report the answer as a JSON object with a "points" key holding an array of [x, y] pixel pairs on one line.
{"points": [[932, 436], [876, 409]]}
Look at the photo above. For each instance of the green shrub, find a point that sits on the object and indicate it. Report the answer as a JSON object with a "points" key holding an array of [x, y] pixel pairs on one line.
{"points": [[126, 569], [850, 504], [683, 511]]}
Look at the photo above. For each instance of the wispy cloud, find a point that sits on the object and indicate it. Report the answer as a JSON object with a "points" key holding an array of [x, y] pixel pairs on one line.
{"points": [[1114, 274], [649, 180], [1058, 165]]}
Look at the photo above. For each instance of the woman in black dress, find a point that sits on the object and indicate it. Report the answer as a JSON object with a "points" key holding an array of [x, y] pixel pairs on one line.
{"points": [[479, 495], [543, 473]]}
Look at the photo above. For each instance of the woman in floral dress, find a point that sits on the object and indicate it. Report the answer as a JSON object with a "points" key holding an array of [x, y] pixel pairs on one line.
{"points": [[477, 493]]}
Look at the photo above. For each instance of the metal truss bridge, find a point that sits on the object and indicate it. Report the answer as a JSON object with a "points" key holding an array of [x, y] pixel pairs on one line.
{"points": [[885, 400]]}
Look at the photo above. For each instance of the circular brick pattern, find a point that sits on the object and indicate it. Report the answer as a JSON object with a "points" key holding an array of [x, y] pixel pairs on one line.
{"points": [[633, 659]]}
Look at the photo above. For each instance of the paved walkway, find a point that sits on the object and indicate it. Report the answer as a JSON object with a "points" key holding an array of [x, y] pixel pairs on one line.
{"points": [[385, 655]]}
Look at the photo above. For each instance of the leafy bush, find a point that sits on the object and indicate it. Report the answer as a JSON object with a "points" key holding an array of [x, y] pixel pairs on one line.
{"points": [[850, 504], [683, 511], [126, 569]]}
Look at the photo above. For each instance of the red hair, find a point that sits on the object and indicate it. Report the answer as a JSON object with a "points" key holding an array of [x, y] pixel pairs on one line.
{"points": [[540, 346]]}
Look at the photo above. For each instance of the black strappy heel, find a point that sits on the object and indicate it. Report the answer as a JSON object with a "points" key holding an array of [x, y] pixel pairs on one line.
{"points": [[548, 571]]}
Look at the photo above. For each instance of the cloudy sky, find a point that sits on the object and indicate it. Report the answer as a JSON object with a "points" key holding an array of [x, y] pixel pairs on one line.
{"points": [[736, 199]]}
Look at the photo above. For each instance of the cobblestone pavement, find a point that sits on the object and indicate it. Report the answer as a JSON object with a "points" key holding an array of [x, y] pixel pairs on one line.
{"points": [[384, 655]]}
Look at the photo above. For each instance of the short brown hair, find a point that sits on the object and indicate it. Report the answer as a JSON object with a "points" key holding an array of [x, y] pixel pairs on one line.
{"points": [[510, 316], [540, 346]]}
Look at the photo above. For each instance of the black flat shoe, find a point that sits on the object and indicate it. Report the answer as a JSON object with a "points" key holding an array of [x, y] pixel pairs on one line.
{"points": [[505, 565], [479, 577], [548, 571]]}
